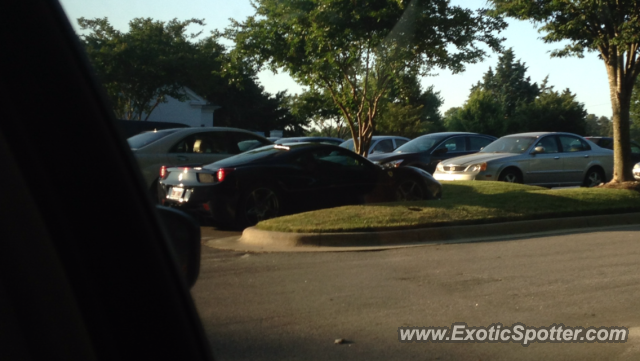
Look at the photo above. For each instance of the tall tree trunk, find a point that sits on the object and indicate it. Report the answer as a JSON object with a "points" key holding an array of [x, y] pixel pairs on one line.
{"points": [[620, 92]]}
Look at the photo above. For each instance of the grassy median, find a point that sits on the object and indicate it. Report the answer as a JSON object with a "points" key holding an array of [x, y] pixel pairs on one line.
{"points": [[463, 203]]}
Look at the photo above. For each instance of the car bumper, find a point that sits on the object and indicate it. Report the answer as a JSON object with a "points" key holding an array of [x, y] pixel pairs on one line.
{"points": [[215, 201], [462, 176]]}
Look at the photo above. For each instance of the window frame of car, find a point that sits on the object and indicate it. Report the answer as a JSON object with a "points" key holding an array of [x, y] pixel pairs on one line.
{"points": [[442, 142], [550, 136], [585, 145], [402, 140], [479, 136], [229, 136]]}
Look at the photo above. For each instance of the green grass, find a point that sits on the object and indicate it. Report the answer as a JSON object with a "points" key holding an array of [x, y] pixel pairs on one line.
{"points": [[463, 203]]}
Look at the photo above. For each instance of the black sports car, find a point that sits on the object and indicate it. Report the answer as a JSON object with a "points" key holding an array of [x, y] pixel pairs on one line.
{"points": [[282, 179]]}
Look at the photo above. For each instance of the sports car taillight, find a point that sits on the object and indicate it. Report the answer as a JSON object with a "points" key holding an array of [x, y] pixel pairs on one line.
{"points": [[163, 172], [223, 172]]}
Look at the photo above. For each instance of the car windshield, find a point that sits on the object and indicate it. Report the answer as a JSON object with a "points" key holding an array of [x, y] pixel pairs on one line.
{"points": [[421, 144], [516, 145], [143, 139], [348, 144]]}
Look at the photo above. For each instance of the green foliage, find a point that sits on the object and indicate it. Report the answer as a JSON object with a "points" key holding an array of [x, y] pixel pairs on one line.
{"points": [[598, 126], [316, 110], [506, 102], [409, 110], [139, 69], [354, 50], [610, 28]]}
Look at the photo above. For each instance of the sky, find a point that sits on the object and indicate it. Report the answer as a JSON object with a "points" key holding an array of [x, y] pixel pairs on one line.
{"points": [[585, 77]]}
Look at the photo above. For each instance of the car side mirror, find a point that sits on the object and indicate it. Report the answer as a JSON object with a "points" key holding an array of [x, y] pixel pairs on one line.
{"points": [[537, 150], [440, 151], [184, 237]]}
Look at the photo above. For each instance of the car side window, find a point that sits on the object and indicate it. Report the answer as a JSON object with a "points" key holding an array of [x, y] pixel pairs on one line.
{"points": [[384, 146], [400, 142], [184, 146], [242, 142], [328, 160], [549, 143], [456, 144], [477, 143], [572, 144]]}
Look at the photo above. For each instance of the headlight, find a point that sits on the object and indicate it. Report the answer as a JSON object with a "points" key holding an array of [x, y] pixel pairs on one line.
{"points": [[206, 178], [393, 164], [637, 166], [477, 167], [439, 167]]}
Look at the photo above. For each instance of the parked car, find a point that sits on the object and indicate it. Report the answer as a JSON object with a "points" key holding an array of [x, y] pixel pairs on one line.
{"points": [[636, 171], [427, 151], [325, 140], [545, 159], [188, 146], [607, 142], [380, 143], [281, 179]]}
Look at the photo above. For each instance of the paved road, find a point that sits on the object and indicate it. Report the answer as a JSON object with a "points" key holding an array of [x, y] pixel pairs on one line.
{"points": [[293, 306]]}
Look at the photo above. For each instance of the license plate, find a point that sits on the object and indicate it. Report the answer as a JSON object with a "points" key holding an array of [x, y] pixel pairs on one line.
{"points": [[176, 193], [446, 177]]}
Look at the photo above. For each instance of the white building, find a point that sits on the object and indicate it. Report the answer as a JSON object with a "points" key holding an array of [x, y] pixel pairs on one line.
{"points": [[195, 111]]}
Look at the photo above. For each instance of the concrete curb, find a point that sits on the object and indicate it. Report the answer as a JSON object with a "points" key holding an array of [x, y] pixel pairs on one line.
{"points": [[255, 237]]}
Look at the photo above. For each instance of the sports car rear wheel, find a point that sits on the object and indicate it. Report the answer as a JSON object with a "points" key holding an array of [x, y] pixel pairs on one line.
{"points": [[410, 190], [259, 203]]}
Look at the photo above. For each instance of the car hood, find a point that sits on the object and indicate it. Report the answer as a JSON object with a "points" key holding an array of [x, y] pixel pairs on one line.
{"points": [[478, 158]]}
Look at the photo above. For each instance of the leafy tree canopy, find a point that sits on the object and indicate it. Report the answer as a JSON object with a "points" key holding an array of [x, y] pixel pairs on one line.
{"points": [[507, 102], [354, 49], [607, 27]]}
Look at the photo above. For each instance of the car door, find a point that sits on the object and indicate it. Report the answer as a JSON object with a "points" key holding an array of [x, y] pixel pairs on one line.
{"points": [[351, 177], [576, 156], [545, 167]]}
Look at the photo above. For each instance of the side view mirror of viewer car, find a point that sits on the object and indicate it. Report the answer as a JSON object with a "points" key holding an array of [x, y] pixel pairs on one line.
{"points": [[184, 236], [537, 150]]}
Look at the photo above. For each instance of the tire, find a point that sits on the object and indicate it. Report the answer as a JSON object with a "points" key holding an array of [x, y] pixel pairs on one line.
{"points": [[510, 176], [410, 190], [593, 178], [257, 204]]}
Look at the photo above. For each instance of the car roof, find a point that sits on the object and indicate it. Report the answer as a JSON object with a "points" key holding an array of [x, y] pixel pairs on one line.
{"points": [[538, 134]]}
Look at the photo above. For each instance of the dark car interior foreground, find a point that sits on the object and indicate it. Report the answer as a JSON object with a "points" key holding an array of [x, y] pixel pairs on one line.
{"points": [[82, 277]]}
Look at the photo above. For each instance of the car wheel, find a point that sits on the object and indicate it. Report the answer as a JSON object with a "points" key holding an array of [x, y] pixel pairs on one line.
{"points": [[259, 203], [510, 176], [410, 190], [593, 178]]}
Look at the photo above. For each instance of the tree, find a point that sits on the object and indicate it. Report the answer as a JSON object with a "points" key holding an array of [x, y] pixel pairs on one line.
{"points": [[354, 49], [608, 27], [139, 69], [315, 108], [598, 126], [409, 110]]}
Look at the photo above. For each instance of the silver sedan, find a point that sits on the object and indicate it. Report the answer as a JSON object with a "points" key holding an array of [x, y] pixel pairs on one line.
{"points": [[545, 159]]}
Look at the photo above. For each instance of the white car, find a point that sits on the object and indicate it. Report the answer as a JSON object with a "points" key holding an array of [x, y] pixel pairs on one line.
{"points": [[188, 146], [636, 171]]}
